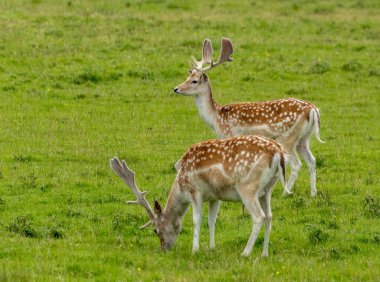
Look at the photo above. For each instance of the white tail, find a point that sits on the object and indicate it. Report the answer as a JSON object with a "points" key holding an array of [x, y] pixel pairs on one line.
{"points": [[281, 170], [237, 169], [290, 122], [317, 125]]}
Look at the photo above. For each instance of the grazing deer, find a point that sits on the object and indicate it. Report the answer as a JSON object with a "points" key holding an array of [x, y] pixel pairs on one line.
{"points": [[290, 122], [242, 169]]}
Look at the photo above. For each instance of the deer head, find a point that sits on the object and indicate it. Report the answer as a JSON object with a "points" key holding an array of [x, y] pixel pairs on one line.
{"points": [[165, 227], [197, 82]]}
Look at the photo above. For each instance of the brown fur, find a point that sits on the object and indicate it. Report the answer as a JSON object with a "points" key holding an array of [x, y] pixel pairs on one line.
{"points": [[270, 113]]}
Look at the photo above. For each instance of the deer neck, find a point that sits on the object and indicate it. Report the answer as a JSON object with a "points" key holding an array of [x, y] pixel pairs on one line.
{"points": [[207, 107], [177, 204]]}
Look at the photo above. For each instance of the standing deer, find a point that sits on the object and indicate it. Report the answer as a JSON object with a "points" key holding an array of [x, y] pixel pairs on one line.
{"points": [[290, 122], [242, 169]]}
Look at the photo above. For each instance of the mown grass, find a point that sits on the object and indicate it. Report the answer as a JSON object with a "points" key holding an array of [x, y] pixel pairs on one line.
{"points": [[83, 81]]}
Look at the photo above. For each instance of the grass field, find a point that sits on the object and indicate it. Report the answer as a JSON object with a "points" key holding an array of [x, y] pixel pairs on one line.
{"points": [[82, 81]]}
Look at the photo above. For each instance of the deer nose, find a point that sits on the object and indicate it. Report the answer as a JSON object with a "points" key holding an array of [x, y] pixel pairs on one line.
{"points": [[176, 89]]}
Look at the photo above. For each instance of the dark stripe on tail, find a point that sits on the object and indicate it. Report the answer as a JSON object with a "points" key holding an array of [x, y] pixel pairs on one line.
{"points": [[282, 163]]}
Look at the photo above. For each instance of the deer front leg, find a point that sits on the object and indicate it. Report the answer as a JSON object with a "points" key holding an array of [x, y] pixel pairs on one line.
{"points": [[212, 215], [295, 165], [197, 204]]}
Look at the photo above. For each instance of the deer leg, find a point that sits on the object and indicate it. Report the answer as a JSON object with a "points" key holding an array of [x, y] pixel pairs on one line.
{"points": [[295, 165], [212, 215], [265, 205], [304, 149], [250, 200], [197, 204]]}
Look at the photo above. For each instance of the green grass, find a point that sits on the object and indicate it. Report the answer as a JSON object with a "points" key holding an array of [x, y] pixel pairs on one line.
{"points": [[82, 81]]}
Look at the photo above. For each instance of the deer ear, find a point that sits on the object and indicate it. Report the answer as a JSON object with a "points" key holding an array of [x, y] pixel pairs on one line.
{"points": [[204, 76], [157, 208]]}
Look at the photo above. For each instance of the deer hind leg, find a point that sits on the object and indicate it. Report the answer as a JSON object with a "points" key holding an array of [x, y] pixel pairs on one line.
{"points": [[249, 197], [295, 165], [197, 205], [265, 205], [304, 150], [212, 215]]}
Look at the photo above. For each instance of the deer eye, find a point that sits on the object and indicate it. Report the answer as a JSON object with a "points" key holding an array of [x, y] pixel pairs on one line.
{"points": [[155, 231], [194, 82]]}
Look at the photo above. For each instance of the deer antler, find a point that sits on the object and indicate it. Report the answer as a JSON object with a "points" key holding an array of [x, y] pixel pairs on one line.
{"points": [[128, 176], [225, 53], [206, 55]]}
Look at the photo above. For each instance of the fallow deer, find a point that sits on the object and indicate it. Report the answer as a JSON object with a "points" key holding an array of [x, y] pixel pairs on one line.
{"points": [[242, 169], [290, 121]]}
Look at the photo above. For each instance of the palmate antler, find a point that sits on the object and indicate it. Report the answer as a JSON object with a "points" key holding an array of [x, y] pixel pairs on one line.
{"points": [[128, 176], [206, 55], [225, 52]]}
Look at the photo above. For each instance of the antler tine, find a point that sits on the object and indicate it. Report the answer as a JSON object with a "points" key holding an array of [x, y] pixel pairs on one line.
{"points": [[226, 51], [146, 225], [195, 64], [128, 176]]}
